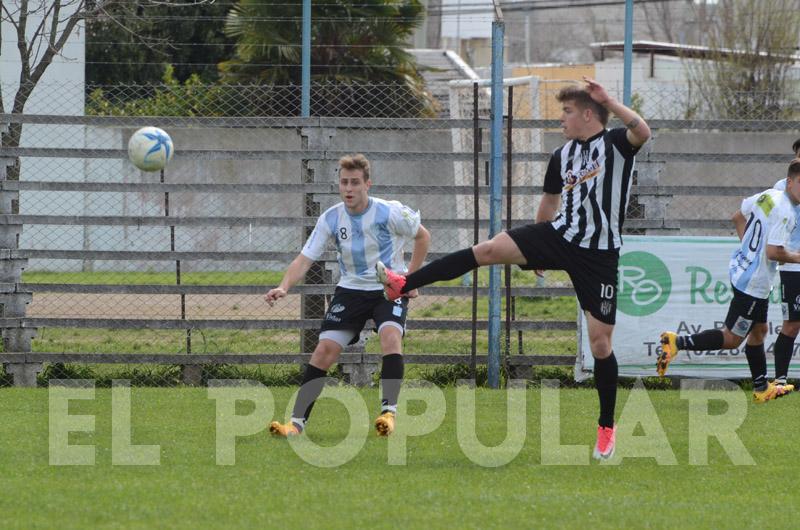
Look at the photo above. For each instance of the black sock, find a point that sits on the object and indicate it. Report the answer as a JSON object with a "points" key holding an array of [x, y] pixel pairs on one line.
{"points": [[757, 360], [446, 268], [391, 379], [310, 389], [606, 373], [710, 339], [783, 356]]}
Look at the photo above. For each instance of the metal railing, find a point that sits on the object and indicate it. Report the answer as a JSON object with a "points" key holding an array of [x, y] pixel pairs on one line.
{"points": [[85, 244]]}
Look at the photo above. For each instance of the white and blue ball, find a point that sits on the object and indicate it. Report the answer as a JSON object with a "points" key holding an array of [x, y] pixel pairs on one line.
{"points": [[150, 149]]}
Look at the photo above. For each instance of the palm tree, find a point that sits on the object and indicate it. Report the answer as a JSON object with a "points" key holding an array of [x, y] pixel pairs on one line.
{"points": [[358, 64]]}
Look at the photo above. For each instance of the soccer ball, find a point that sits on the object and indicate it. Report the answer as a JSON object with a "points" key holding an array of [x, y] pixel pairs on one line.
{"points": [[150, 148]]}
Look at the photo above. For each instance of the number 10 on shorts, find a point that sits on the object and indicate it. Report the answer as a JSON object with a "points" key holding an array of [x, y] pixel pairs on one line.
{"points": [[607, 291]]}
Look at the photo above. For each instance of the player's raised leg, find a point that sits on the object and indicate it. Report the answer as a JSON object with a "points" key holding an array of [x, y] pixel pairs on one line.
{"points": [[744, 312], [501, 249]]}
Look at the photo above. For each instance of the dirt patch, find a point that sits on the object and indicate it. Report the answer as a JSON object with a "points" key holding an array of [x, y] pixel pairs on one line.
{"points": [[150, 306]]}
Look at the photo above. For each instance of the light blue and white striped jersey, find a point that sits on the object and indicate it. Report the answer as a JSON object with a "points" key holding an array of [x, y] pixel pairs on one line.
{"points": [[794, 239], [770, 220], [379, 233]]}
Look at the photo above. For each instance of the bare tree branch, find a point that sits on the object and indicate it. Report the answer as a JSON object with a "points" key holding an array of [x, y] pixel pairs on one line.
{"points": [[747, 73], [22, 43], [57, 44], [9, 16], [36, 40], [36, 37], [660, 21]]}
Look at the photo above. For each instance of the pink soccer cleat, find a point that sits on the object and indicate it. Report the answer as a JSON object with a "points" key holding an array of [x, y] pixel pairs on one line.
{"points": [[393, 283], [604, 448]]}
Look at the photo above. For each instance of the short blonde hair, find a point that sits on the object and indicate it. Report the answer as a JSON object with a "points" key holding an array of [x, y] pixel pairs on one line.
{"points": [[356, 161]]}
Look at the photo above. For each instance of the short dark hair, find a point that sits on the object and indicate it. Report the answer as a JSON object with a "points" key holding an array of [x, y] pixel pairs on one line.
{"points": [[796, 146], [357, 161], [584, 101], [794, 168]]}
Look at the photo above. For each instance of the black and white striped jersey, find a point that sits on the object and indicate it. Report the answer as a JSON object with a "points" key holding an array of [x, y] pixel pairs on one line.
{"points": [[594, 180]]}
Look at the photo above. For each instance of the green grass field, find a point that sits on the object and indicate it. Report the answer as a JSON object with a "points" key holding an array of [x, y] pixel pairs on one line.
{"points": [[271, 487]]}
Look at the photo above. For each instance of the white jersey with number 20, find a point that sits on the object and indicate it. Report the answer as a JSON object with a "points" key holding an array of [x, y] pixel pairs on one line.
{"points": [[770, 219]]}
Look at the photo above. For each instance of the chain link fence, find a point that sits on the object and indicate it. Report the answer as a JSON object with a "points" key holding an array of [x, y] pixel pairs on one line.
{"points": [[105, 259]]}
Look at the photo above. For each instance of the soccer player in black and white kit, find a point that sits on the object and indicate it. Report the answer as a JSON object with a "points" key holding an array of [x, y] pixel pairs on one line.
{"points": [[578, 229], [364, 229]]}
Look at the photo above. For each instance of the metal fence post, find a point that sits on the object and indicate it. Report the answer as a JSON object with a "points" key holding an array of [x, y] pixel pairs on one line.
{"points": [[313, 305], [495, 201]]}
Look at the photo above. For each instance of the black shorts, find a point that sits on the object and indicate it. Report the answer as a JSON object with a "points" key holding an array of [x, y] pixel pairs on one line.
{"points": [[744, 311], [790, 295], [593, 271], [350, 309]]}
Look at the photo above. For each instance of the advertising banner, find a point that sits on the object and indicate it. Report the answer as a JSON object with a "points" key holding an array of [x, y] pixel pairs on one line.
{"points": [[677, 284]]}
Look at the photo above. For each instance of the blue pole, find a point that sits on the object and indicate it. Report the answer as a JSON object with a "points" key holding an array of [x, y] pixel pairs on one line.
{"points": [[495, 199], [628, 52], [305, 98]]}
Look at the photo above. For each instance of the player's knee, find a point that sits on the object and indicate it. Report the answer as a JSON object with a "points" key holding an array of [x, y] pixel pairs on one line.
{"points": [[484, 252], [391, 340], [325, 354], [758, 332], [730, 339], [600, 346], [790, 328]]}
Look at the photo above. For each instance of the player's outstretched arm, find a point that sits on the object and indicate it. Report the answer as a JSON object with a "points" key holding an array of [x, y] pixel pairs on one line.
{"points": [[294, 273], [780, 254], [548, 207], [638, 130], [422, 242]]}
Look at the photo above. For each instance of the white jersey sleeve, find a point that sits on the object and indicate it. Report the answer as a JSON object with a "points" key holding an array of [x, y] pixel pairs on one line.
{"points": [[780, 185], [794, 237], [318, 240], [748, 203], [403, 221]]}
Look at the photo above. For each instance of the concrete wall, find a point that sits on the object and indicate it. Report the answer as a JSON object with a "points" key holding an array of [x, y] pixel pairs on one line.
{"points": [[395, 171], [185, 169]]}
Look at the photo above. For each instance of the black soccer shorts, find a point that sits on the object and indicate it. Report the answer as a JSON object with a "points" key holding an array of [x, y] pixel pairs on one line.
{"points": [[744, 311], [790, 295], [351, 308], [593, 271]]}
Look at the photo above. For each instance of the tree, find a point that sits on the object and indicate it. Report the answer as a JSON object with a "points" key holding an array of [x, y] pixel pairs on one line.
{"points": [[747, 73], [132, 45], [41, 30], [355, 43]]}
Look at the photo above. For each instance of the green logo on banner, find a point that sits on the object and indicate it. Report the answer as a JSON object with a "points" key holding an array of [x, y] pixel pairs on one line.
{"points": [[644, 284]]}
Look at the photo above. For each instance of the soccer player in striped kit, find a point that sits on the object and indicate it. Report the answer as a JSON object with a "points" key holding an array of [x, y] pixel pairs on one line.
{"points": [[764, 223], [365, 230], [578, 229], [790, 298]]}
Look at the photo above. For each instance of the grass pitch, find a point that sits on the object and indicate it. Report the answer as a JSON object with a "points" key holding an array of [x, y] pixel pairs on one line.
{"points": [[270, 486]]}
